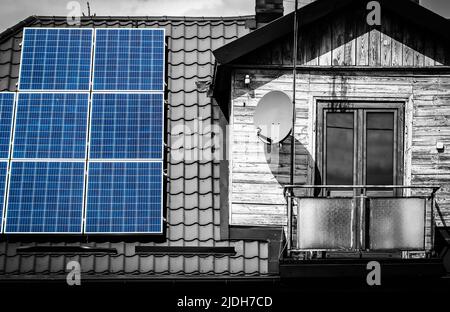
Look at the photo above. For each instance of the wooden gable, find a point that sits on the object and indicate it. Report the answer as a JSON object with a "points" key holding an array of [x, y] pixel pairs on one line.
{"points": [[344, 38], [399, 61]]}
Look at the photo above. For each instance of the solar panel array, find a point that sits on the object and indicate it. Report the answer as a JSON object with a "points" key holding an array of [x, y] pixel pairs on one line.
{"points": [[86, 151]]}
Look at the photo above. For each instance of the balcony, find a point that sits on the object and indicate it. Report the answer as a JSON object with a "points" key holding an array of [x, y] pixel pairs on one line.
{"points": [[363, 223]]}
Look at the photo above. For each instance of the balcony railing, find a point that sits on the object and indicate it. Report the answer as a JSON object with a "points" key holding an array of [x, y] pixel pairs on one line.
{"points": [[362, 222]]}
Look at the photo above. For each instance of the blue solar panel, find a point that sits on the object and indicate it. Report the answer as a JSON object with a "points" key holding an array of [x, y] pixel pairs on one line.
{"points": [[6, 110], [56, 59], [45, 197], [124, 198], [47, 182], [3, 171], [127, 126], [129, 59], [51, 125]]}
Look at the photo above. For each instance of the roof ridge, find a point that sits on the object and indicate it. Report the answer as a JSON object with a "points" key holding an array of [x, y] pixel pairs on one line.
{"points": [[157, 17], [31, 19]]}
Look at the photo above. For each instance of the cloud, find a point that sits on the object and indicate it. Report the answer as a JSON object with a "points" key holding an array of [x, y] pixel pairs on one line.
{"points": [[175, 7], [223, 7], [14, 11]]}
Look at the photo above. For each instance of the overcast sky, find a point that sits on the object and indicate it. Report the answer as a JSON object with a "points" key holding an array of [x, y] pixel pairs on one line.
{"points": [[13, 11]]}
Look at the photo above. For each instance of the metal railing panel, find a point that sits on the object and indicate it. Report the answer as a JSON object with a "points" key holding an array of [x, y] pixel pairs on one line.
{"points": [[397, 223], [326, 223]]}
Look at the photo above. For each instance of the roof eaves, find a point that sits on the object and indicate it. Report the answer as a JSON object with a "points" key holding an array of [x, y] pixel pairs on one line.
{"points": [[415, 13], [319, 9]]}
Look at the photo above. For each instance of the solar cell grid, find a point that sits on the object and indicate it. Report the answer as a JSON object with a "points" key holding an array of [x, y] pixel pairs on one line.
{"points": [[129, 59], [124, 197], [3, 172], [6, 112], [56, 59], [45, 197], [126, 126], [51, 125]]}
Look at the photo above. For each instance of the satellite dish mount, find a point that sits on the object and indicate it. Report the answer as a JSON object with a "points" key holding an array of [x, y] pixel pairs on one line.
{"points": [[273, 117]]}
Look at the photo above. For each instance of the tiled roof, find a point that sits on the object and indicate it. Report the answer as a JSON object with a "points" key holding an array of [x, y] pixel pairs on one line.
{"points": [[193, 188]]}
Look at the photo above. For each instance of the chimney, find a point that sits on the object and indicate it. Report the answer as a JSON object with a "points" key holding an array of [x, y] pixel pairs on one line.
{"points": [[267, 11]]}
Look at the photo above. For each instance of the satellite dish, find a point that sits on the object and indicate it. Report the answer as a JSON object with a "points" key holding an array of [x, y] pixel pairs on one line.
{"points": [[273, 117]]}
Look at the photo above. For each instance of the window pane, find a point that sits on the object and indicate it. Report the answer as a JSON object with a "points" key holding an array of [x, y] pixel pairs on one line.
{"points": [[380, 149], [339, 144]]}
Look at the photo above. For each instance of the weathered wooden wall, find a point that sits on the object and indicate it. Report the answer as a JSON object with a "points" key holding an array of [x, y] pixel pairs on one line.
{"points": [[256, 191], [257, 175], [346, 42], [345, 39]]}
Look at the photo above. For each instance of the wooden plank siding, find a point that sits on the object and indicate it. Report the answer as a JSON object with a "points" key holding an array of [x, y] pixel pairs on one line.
{"points": [[257, 170], [347, 39], [256, 191], [343, 39]]}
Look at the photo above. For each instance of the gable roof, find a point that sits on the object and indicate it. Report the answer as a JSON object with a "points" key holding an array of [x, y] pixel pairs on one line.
{"points": [[312, 12], [192, 192]]}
